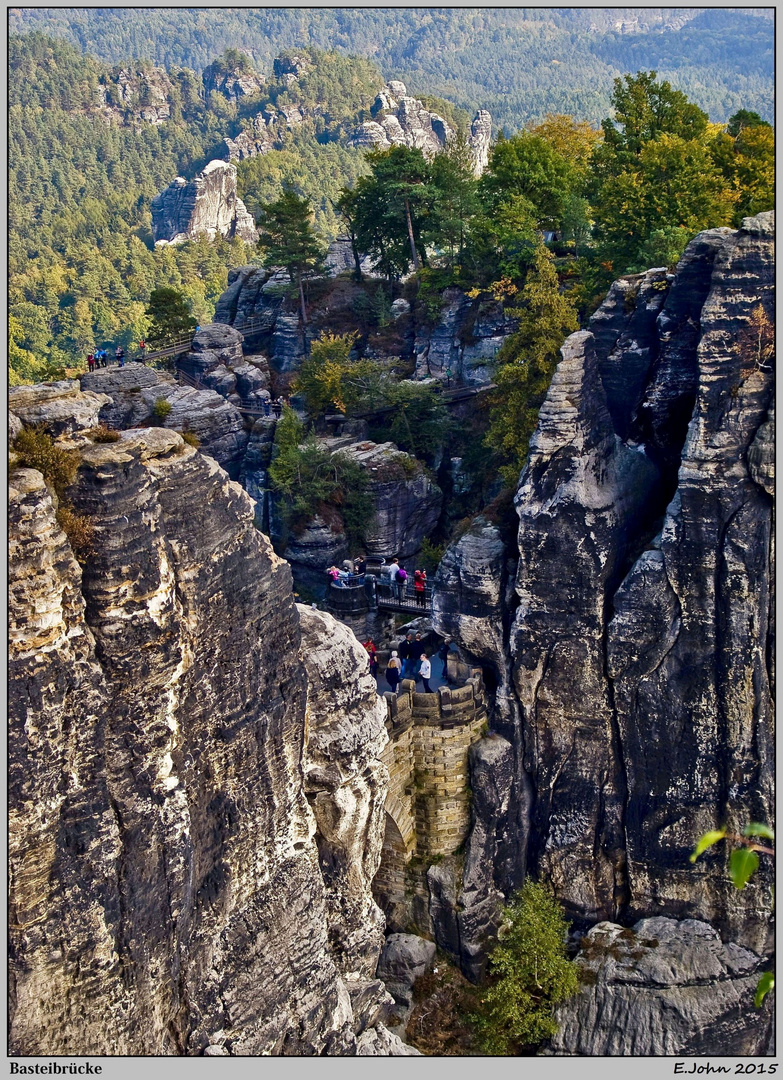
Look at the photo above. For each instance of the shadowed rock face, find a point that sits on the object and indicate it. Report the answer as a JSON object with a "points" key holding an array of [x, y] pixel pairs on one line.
{"points": [[639, 650], [166, 893]]}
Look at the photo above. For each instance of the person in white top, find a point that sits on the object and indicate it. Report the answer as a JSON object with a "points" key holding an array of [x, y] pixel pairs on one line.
{"points": [[425, 671]]}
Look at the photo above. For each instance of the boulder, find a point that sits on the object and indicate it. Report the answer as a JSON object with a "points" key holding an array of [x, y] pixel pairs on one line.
{"points": [[662, 988], [404, 959], [15, 427], [59, 407]]}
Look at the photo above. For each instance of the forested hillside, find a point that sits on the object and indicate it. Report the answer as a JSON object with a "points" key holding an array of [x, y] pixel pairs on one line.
{"points": [[90, 145], [519, 63]]}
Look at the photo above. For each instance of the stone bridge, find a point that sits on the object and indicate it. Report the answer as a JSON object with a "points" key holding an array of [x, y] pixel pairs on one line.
{"points": [[428, 805]]}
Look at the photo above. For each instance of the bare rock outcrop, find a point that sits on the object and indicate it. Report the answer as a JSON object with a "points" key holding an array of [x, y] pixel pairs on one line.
{"points": [[166, 891], [346, 785], [61, 407], [136, 95], [464, 340], [399, 119], [134, 395], [207, 205], [231, 81], [660, 988]]}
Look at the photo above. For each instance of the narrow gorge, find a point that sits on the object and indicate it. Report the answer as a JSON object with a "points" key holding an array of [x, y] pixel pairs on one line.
{"points": [[222, 838]]}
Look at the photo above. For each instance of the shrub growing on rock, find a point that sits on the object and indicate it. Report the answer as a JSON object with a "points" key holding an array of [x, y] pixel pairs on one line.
{"points": [[530, 973], [103, 434], [161, 409], [313, 481], [38, 450]]}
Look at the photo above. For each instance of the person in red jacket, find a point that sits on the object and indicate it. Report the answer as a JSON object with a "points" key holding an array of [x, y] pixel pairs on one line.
{"points": [[420, 586], [370, 647]]}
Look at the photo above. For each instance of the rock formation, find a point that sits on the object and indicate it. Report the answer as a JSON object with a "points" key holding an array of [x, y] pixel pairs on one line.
{"points": [[662, 987], [407, 503], [463, 341], [140, 95], [634, 660], [208, 205], [132, 393], [233, 83], [173, 890], [60, 405], [402, 120]]}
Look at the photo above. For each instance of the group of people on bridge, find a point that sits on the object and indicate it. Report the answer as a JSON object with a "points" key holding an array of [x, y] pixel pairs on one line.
{"points": [[397, 578], [410, 660], [100, 357], [392, 580]]}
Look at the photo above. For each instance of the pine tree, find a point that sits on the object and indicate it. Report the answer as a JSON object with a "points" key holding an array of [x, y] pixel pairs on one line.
{"points": [[526, 363], [170, 314], [286, 234]]}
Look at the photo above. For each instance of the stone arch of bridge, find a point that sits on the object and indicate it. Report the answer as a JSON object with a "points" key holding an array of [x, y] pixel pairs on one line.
{"points": [[388, 887]]}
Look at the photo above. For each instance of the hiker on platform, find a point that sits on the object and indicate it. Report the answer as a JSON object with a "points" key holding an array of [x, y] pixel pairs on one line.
{"points": [[401, 581], [443, 655], [91, 362], [143, 351], [278, 408], [416, 649], [407, 656], [120, 354], [387, 576], [393, 671], [420, 586], [425, 670]]}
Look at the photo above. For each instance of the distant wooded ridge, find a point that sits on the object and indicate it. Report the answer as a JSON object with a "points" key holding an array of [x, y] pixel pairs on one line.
{"points": [[519, 63]]}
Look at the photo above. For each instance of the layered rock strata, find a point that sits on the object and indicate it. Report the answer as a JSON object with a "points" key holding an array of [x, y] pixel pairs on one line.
{"points": [[166, 892], [659, 988], [207, 205], [642, 615], [131, 396]]}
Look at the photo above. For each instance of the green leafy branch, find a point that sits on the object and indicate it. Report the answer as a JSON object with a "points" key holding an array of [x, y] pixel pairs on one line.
{"points": [[744, 862]]}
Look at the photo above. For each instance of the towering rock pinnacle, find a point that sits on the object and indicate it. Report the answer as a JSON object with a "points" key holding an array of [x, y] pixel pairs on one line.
{"points": [[195, 811], [207, 205], [639, 644]]}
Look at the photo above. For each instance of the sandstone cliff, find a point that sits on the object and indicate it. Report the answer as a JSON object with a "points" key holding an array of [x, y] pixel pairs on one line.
{"points": [[195, 792], [207, 205], [398, 119], [633, 657]]}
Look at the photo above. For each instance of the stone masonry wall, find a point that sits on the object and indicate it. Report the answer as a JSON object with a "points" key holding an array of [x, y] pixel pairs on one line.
{"points": [[427, 759]]}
